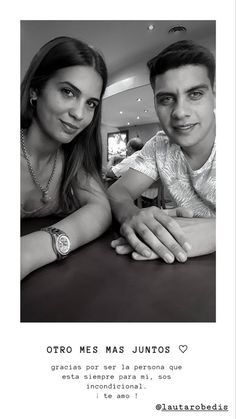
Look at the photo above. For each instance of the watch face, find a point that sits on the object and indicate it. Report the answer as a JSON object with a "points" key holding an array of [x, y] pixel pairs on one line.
{"points": [[63, 244]]}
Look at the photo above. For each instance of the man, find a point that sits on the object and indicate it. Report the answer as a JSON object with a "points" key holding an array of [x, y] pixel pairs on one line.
{"points": [[183, 156]]}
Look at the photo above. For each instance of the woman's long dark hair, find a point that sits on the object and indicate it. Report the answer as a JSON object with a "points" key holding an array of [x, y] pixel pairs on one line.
{"points": [[85, 151]]}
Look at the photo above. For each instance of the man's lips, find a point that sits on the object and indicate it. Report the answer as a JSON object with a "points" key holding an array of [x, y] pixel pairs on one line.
{"points": [[184, 127]]}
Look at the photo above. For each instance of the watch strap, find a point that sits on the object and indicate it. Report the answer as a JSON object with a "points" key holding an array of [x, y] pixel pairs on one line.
{"points": [[54, 233]]}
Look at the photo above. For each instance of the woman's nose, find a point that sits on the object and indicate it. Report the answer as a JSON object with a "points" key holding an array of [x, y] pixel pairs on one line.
{"points": [[77, 110]]}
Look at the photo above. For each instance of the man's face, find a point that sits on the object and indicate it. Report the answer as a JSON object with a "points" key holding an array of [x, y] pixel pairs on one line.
{"points": [[184, 102]]}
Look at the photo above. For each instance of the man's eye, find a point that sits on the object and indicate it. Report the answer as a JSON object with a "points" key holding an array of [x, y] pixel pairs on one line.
{"points": [[67, 92], [165, 100], [196, 95]]}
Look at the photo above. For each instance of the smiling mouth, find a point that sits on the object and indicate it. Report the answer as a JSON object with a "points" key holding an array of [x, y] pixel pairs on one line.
{"points": [[184, 127], [69, 127]]}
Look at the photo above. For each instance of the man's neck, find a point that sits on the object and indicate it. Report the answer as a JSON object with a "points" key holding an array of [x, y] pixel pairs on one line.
{"points": [[199, 154]]}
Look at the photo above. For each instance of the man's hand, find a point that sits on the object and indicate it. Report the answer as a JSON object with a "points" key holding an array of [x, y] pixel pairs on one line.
{"points": [[200, 233], [152, 233]]}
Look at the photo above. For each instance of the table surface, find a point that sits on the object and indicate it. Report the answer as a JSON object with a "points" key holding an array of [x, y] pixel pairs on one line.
{"points": [[95, 285]]}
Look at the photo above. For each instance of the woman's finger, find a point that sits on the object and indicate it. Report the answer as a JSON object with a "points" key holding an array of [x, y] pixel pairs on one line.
{"points": [[124, 249], [179, 212], [184, 212], [118, 242], [137, 256]]}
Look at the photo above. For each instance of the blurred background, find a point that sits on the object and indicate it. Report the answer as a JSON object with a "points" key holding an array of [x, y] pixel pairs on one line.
{"points": [[128, 108]]}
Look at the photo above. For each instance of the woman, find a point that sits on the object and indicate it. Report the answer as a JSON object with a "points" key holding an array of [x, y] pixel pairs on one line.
{"points": [[61, 150]]}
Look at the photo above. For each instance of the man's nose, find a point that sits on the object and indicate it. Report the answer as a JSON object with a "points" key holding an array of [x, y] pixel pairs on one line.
{"points": [[181, 109]]}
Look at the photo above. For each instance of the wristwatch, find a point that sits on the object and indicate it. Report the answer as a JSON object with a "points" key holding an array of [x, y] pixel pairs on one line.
{"points": [[60, 241]]}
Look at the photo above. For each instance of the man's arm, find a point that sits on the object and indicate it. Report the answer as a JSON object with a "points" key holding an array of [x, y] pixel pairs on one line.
{"points": [[146, 229]]}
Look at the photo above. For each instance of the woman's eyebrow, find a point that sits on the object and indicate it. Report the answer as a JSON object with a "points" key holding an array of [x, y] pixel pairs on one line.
{"points": [[77, 90]]}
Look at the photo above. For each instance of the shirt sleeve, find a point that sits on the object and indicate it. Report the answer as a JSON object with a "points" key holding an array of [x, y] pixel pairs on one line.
{"points": [[145, 160], [122, 167]]}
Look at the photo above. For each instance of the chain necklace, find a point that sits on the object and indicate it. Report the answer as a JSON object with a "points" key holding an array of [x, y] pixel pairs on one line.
{"points": [[45, 190]]}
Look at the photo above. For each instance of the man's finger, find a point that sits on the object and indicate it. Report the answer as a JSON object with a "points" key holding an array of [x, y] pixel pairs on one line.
{"points": [[134, 241], [160, 242], [173, 228]]}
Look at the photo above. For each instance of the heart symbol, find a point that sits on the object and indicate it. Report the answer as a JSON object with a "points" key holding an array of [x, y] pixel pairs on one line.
{"points": [[183, 348]]}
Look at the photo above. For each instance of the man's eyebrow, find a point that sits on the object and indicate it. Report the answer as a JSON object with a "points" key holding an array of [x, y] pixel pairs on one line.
{"points": [[191, 89], [77, 90], [198, 86]]}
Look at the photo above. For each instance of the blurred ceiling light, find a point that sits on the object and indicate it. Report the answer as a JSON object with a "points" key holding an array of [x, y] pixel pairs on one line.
{"points": [[138, 117], [151, 27], [121, 112], [139, 99]]}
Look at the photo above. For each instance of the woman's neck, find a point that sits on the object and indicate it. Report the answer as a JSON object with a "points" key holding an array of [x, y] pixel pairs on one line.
{"points": [[38, 144]]}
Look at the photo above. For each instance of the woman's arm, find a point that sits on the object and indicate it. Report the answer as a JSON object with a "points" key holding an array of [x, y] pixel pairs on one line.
{"points": [[84, 225]]}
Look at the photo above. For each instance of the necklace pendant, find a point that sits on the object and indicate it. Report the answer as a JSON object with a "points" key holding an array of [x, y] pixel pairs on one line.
{"points": [[45, 198]]}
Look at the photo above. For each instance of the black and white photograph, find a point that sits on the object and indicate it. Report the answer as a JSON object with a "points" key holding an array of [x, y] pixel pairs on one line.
{"points": [[118, 164], [118, 277]]}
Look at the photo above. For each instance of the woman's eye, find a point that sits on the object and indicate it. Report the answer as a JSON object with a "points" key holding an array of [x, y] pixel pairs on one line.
{"points": [[67, 92], [91, 104], [196, 95]]}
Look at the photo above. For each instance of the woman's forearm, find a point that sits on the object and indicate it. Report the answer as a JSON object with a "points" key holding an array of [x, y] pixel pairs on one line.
{"points": [[84, 225], [36, 251]]}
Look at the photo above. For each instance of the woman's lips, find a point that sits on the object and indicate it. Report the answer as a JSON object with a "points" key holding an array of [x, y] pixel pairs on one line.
{"points": [[69, 128]]}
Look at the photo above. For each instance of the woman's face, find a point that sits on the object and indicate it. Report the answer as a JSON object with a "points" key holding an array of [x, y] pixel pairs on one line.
{"points": [[66, 104]]}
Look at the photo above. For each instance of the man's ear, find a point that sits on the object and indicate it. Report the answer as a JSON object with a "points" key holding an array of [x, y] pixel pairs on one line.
{"points": [[214, 93], [155, 105]]}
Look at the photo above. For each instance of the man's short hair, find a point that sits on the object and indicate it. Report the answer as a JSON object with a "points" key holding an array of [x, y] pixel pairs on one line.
{"points": [[181, 53]]}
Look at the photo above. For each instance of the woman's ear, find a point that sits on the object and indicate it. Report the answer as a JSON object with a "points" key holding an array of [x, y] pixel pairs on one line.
{"points": [[33, 94]]}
